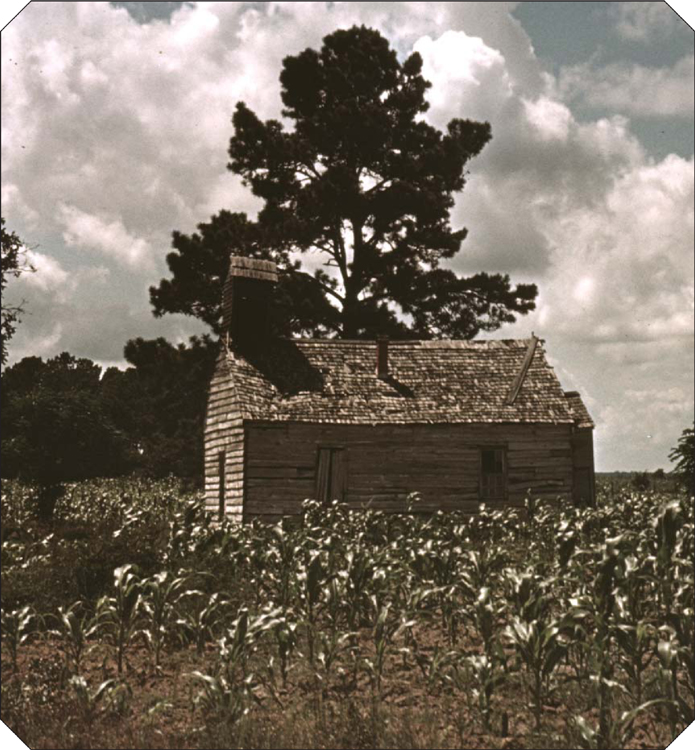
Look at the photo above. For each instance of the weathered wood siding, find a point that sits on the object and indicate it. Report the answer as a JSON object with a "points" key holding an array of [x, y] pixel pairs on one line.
{"points": [[584, 484], [224, 431], [386, 463]]}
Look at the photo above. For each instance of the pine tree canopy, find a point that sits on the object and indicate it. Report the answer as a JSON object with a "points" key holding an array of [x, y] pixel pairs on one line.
{"points": [[357, 178]]}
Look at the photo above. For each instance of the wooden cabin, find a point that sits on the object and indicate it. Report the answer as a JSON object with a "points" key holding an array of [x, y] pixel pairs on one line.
{"points": [[368, 422]]}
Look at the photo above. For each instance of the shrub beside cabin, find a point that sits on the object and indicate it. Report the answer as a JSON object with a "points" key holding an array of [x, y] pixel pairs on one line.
{"points": [[460, 422]]}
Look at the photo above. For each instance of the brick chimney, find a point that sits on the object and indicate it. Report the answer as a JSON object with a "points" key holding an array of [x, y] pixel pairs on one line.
{"points": [[246, 301], [382, 357]]}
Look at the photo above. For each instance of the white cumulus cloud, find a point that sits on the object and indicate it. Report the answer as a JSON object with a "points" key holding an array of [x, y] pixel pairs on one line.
{"points": [[551, 119], [642, 21], [631, 88], [108, 236], [47, 274]]}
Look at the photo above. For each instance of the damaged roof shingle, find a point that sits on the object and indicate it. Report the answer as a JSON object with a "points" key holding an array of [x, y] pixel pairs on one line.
{"points": [[582, 418]]}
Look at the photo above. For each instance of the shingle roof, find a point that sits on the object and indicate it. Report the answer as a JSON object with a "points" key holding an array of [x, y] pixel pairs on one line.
{"points": [[334, 381], [582, 418]]}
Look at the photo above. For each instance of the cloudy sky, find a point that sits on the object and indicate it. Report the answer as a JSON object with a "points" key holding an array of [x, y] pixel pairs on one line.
{"points": [[116, 122]]}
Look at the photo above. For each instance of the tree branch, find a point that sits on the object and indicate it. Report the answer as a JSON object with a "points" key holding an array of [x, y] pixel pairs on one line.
{"points": [[325, 287]]}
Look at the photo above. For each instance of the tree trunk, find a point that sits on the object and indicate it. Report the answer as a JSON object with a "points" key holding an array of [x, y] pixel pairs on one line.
{"points": [[353, 285]]}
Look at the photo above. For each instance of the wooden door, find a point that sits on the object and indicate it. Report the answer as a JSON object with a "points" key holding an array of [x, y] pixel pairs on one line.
{"points": [[331, 474], [493, 474]]}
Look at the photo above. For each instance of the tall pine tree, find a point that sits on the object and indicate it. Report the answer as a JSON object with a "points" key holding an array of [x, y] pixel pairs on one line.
{"points": [[362, 179]]}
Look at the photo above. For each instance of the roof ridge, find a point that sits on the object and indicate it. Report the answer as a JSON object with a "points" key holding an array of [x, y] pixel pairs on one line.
{"points": [[427, 343]]}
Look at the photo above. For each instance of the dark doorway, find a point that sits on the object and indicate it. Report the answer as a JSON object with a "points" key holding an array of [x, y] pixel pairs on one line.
{"points": [[331, 474], [493, 474]]}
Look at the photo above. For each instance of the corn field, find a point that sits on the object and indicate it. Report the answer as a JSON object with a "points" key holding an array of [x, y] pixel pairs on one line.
{"points": [[134, 620]]}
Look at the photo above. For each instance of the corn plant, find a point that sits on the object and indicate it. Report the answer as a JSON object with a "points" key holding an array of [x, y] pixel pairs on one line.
{"points": [[538, 638], [311, 582], [441, 559], [161, 594], [118, 616], [679, 709], [412, 611], [241, 640], [259, 562], [634, 633], [667, 525], [681, 659], [109, 696], [284, 631], [280, 565], [593, 614], [385, 627], [636, 643], [540, 647], [331, 645], [359, 565], [484, 567], [225, 695], [334, 593], [201, 624], [436, 669], [221, 699], [488, 670], [487, 677], [618, 733], [189, 532], [483, 615], [16, 630], [75, 625]]}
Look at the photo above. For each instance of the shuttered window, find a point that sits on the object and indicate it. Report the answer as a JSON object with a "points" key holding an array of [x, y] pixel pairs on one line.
{"points": [[331, 474], [493, 474]]}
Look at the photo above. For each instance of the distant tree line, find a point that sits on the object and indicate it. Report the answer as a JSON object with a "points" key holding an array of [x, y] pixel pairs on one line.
{"points": [[66, 419]]}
